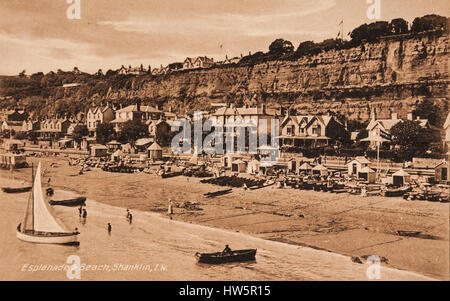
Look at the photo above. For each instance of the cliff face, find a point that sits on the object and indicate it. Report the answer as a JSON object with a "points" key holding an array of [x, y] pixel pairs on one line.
{"points": [[391, 76]]}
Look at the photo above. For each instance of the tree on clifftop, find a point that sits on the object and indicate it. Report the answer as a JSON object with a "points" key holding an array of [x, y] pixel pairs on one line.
{"points": [[429, 22], [398, 26], [370, 32], [281, 47]]}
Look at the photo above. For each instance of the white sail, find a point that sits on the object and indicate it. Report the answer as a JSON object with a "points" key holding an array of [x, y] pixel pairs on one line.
{"points": [[43, 219]]}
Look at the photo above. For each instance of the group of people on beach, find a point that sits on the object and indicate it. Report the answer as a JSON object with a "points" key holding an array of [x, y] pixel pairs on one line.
{"points": [[82, 212]]}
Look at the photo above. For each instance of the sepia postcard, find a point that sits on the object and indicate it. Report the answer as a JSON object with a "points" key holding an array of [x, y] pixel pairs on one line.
{"points": [[212, 140]]}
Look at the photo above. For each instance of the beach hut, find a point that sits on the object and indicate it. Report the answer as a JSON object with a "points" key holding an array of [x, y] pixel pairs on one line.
{"points": [[320, 170], [253, 166], [128, 148], [367, 174], [98, 150], [117, 155], [305, 168], [155, 152], [293, 165], [356, 165], [238, 166], [113, 146], [442, 172], [143, 143], [400, 178], [265, 168], [227, 160]]}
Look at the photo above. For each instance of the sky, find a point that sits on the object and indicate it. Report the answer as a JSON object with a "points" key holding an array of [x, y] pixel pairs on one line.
{"points": [[36, 35]]}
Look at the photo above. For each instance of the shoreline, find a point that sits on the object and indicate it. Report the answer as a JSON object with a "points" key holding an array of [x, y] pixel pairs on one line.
{"points": [[249, 213]]}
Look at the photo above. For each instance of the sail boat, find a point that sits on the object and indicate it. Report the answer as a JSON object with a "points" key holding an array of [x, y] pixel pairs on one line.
{"points": [[39, 225]]}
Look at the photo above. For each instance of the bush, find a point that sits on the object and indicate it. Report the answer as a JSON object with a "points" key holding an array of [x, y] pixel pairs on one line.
{"points": [[429, 22]]}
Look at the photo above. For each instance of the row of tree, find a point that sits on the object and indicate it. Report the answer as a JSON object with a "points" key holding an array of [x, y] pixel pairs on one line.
{"points": [[130, 132], [283, 49]]}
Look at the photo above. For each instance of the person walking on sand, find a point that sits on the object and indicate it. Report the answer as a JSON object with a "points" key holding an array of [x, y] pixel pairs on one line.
{"points": [[109, 228], [84, 213], [128, 214], [80, 211], [170, 211], [130, 218]]}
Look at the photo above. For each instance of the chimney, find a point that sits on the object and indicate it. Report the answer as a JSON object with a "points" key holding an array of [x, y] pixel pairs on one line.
{"points": [[263, 108], [373, 114], [409, 116], [394, 116], [226, 56], [242, 55]]}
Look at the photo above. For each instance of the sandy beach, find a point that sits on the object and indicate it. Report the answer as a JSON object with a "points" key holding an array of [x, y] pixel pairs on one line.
{"points": [[344, 224]]}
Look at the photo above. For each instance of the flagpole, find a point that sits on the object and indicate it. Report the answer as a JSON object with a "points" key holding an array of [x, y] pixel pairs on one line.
{"points": [[378, 151], [378, 159]]}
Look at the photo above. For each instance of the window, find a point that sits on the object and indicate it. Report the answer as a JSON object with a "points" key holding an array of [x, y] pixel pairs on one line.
{"points": [[316, 130], [290, 130]]}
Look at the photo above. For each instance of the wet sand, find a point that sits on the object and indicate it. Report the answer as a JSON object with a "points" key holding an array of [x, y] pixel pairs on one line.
{"points": [[343, 224]]}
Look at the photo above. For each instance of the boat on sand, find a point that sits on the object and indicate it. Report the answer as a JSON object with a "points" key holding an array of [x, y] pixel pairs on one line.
{"points": [[16, 189], [80, 201]]}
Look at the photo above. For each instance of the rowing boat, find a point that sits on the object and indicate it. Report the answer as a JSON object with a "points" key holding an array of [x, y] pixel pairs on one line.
{"points": [[221, 257], [80, 201], [16, 190]]}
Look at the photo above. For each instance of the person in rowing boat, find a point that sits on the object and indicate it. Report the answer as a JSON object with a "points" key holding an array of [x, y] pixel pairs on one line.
{"points": [[227, 250]]}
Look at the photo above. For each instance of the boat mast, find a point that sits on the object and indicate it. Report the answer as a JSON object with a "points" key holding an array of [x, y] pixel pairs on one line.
{"points": [[32, 196]]}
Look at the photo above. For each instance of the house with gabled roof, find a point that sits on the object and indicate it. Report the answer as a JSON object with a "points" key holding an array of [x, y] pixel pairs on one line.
{"points": [[188, 63], [380, 129], [31, 125], [198, 62], [54, 128], [98, 115], [133, 112], [203, 62], [311, 130]]}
